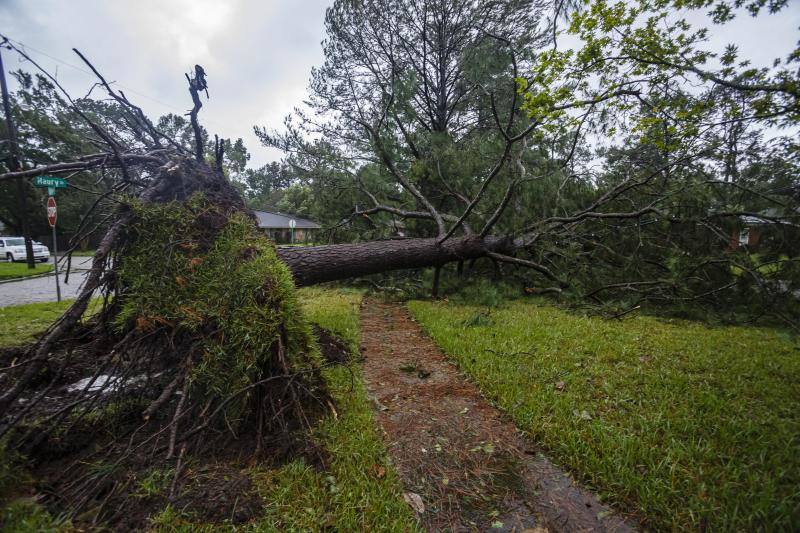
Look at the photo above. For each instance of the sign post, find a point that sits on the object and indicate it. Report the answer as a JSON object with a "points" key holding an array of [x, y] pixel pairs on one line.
{"points": [[292, 225], [52, 184], [52, 215]]}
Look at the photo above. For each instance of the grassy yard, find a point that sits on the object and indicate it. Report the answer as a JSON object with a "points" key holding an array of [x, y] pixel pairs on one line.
{"points": [[359, 491], [20, 270], [684, 425], [19, 324]]}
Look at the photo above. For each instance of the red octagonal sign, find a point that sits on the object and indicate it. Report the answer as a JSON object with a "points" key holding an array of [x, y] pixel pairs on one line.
{"points": [[51, 211]]}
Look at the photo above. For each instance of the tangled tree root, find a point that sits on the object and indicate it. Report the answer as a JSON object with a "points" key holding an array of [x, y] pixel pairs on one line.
{"points": [[199, 342]]}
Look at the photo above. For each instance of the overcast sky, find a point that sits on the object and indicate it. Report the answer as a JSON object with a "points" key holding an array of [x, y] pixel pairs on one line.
{"points": [[257, 54]]}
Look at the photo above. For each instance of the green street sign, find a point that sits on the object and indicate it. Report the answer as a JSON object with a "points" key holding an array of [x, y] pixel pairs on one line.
{"points": [[50, 181]]}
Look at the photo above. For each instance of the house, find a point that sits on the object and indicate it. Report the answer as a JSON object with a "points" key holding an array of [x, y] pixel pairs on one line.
{"points": [[754, 232], [748, 234], [280, 227]]}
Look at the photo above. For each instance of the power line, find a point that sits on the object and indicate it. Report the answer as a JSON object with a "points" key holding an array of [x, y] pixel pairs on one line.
{"points": [[91, 75]]}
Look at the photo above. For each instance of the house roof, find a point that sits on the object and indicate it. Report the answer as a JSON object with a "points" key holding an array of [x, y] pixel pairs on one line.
{"points": [[754, 221], [768, 216], [268, 219]]}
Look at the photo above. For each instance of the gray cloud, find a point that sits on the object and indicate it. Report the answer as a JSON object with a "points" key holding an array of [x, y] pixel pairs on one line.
{"points": [[258, 54]]}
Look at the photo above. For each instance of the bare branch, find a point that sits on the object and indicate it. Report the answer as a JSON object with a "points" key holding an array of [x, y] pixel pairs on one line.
{"points": [[529, 264]]}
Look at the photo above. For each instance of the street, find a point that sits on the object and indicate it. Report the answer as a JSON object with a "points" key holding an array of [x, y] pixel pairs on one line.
{"points": [[43, 289]]}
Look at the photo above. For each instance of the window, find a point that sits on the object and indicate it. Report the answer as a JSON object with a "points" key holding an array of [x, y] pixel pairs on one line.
{"points": [[744, 237]]}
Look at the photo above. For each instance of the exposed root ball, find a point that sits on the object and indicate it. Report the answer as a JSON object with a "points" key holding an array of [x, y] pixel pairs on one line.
{"points": [[199, 347], [214, 287]]}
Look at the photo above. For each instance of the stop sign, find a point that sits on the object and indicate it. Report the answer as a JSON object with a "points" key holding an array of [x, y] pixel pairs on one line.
{"points": [[51, 211]]}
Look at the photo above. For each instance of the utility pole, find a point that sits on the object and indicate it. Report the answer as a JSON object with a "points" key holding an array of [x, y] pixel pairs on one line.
{"points": [[13, 165]]}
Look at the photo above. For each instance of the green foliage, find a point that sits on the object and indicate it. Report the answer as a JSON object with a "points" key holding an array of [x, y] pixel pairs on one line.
{"points": [[296, 199], [686, 425], [26, 516], [50, 131], [696, 160], [645, 46], [263, 187], [484, 292], [437, 135], [220, 285], [179, 129]]}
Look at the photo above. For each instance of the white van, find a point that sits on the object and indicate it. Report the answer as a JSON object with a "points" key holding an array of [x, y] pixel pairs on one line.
{"points": [[13, 249]]}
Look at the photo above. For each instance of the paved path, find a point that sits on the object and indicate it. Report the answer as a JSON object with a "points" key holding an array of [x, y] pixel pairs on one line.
{"points": [[43, 289], [463, 463]]}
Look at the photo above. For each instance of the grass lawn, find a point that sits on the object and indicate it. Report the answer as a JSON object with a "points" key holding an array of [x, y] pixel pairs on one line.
{"points": [[684, 425], [20, 270], [19, 324], [358, 492]]}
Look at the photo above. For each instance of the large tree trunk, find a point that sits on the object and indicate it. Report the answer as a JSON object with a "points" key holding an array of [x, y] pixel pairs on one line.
{"points": [[318, 264]]}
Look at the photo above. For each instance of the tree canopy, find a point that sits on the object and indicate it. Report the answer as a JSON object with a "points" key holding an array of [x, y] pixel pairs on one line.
{"points": [[622, 164]]}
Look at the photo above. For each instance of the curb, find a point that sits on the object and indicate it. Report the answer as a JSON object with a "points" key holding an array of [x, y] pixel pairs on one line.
{"points": [[42, 275], [23, 278]]}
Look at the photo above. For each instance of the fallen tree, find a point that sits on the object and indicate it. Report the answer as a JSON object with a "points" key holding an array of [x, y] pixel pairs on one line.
{"points": [[199, 339]]}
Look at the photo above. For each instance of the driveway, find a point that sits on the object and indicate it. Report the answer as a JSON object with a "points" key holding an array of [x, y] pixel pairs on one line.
{"points": [[43, 289]]}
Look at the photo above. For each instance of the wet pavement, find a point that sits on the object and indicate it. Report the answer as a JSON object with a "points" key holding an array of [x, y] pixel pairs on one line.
{"points": [[43, 289]]}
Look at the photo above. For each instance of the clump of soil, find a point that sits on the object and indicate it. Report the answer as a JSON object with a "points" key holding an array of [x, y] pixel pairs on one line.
{"points": [[200, 341], [332, 348], [8, 354], [218, 494]]}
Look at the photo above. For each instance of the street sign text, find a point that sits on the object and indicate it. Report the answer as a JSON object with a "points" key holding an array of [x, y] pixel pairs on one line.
{"points": [[50, 181]]}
